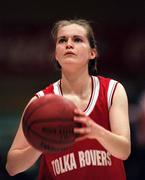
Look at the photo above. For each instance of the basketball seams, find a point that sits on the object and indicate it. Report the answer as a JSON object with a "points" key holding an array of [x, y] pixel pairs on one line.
{"points": [[53, 134], [33, 111], [37, 107], [51, 140]]}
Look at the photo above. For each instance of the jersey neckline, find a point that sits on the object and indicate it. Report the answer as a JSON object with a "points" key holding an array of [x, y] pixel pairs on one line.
{"points": [[94, 94]]}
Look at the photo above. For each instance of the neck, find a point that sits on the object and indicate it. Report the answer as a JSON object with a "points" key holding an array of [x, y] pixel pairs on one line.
{"points": [[76, 83]]}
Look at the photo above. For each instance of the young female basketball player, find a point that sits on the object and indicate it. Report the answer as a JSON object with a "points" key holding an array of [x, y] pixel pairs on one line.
{"points": [[102, 110]]}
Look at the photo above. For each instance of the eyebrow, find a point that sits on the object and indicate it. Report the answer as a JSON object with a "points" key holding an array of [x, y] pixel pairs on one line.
{"points": [[60, 37], [74, 36]]}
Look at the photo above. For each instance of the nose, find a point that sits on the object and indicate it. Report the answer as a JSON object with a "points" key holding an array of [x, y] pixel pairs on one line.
{"points": [[69, 44]]}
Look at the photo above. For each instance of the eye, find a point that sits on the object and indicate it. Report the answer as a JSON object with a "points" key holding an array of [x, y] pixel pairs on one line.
{"points": [[77, 39], [61, 40]]}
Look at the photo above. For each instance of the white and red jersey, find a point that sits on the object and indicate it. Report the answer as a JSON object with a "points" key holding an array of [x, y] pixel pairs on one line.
{"points": [[87, 159]]}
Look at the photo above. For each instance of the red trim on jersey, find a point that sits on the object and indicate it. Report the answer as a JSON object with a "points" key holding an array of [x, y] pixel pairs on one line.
{"points": [[92, 89], [86, 159], [37, 95], [60, 87], [113, 92], [92, 86]]}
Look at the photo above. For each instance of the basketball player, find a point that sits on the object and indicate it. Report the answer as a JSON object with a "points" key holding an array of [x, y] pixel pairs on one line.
{"points": [[104, 141]]}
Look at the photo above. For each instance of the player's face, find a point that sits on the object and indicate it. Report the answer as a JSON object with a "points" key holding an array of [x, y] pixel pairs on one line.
{"points": [[72, 47]]}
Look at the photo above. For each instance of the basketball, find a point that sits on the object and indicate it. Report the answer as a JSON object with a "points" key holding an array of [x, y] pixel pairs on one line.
{"points": [[48, 123]]}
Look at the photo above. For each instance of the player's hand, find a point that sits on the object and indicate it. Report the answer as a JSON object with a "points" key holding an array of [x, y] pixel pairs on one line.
{"points": [[87, 128]]}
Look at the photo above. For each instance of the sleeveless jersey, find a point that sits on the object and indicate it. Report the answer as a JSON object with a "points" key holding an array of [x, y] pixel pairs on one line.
{"points": [[86, 159]]}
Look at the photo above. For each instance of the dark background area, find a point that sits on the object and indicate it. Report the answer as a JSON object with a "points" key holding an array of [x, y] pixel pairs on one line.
{"points": [[25, 65]]}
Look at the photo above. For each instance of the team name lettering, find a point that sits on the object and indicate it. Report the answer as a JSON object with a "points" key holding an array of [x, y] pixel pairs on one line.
{"points": [[94, 158], [85, 158], [64, 164]]}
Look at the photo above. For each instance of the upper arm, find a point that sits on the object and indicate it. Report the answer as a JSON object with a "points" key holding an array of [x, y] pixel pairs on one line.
{"points": [[118, 114], [20, 141]]}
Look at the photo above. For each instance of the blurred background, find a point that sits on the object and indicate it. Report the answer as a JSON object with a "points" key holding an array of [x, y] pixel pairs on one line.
{"points": [[25, 65]]}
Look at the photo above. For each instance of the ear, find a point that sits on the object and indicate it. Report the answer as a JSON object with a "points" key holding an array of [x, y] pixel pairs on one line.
{"points": [[93, 53]]}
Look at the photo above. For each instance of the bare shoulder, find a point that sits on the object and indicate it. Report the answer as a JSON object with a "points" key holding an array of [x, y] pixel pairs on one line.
{"points": [[120, 87], [120, 94]]}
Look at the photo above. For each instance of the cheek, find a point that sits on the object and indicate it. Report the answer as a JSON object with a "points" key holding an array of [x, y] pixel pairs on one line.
{"points": [[84, 54], [58, 50]]}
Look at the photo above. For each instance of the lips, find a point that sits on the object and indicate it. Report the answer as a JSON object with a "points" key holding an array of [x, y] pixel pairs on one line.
{"points": [[69, 53]]}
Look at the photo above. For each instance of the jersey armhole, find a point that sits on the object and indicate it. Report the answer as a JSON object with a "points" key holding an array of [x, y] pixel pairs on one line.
{"points": [[111, 90], [39, 94]]}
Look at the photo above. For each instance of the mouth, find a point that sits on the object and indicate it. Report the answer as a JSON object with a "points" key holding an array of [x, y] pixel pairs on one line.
{"points": [[69, 53]]}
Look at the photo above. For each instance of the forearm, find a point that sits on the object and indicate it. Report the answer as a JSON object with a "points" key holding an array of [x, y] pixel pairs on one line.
{"points": [[19, 160], [117, 145]]}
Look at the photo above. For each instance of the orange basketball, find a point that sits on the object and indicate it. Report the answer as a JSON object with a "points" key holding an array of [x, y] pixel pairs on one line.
{"points": [[48, 123]]}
